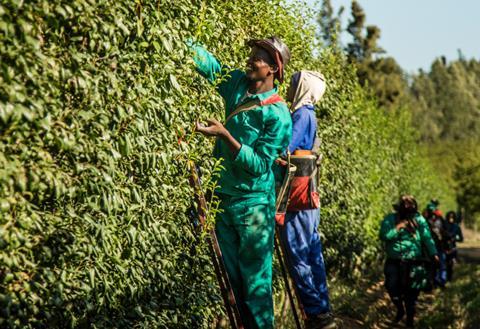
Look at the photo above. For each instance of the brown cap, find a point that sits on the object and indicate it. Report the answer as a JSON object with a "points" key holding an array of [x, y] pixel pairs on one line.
{"points": [[277, 49]]}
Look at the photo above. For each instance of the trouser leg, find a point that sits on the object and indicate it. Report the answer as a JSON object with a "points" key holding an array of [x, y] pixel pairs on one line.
{"points": [[303, 251], [441, 273], [228, 240], [449, 269], [411, 296], [255, 262], [450, 264], [315, 259], [393, 283], [245, 232]]}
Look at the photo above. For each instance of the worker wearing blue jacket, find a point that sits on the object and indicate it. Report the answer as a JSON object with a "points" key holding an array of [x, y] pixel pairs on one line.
{"points": [[299, 234]]}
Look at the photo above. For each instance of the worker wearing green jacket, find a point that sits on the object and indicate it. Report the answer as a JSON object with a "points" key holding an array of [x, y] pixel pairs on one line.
{"points": [[405, 233], [257, 130], [400, 244]]}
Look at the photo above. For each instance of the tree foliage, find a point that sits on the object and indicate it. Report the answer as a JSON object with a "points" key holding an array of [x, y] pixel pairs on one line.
{"points": [[330, 23], [97, 103], [447, 100], [446, 111], [444, 103], [381, 74]]}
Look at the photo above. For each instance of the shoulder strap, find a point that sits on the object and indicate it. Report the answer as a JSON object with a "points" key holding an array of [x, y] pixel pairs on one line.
{"points": [[254, 104], [242, 108]]}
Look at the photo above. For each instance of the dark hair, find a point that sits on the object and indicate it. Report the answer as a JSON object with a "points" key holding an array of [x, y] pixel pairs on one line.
{"points": [[295, 79], [407, 207], [406, 202], [451, 213]]}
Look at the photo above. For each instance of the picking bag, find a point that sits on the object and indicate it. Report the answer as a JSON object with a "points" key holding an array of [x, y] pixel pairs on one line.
{"points": [[304, 186], [284, 172]]}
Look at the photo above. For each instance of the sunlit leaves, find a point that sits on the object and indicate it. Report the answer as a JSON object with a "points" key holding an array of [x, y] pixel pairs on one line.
{"points": [[97, 105]]}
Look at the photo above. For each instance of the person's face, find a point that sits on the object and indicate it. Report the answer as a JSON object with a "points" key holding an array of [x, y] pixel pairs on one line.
{"points": [[260, 65], [410, 214], [408, 210], [451, 219]]}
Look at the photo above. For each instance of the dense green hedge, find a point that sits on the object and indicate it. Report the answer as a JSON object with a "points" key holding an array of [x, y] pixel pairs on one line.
{"points": [[94, 97]]}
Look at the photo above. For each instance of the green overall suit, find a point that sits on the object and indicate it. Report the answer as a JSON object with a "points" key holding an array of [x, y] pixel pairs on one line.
{"points": [[245, 227]]}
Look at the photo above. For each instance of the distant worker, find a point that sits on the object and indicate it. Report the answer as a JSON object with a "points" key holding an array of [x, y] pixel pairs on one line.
{"points": [[404, 232], [299, 233], [454, 235], [437, 226]]}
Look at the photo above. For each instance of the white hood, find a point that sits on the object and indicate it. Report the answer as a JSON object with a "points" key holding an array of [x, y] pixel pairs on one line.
{"points": [[309, 90]]}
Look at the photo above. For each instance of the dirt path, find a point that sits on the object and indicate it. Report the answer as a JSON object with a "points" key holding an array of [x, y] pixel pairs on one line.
{"points": [[469, 254], [457, 306], [469, 251]]}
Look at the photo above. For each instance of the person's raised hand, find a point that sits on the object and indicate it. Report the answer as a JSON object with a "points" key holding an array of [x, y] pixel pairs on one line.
{"points": [[214, 128], [401, 224]]}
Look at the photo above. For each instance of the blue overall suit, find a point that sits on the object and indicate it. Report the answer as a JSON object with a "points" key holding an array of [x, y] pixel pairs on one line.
{"points": [[299, 233]]}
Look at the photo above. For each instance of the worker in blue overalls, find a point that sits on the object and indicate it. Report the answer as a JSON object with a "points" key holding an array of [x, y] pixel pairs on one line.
{"points": [[299, 233]]}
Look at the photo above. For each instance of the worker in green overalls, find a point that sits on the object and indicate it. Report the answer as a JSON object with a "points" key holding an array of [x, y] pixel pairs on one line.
{"points": [[257, 130]]}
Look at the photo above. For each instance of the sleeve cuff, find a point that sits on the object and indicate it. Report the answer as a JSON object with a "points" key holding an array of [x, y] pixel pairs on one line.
{"points": [[241, 155], [392, 234], [246, 159], [189, 42]]}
